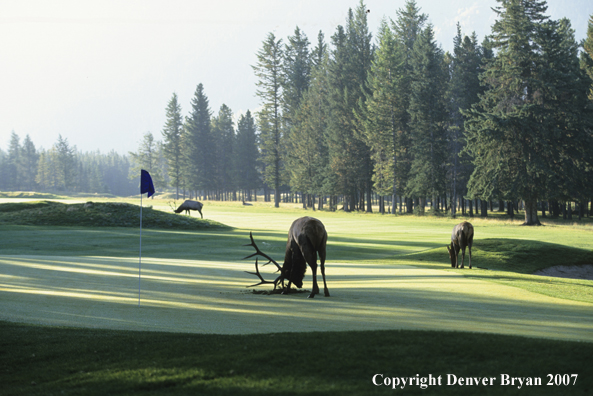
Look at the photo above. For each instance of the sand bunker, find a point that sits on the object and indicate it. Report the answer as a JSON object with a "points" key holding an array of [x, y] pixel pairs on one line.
{"points": [[568, 271]]}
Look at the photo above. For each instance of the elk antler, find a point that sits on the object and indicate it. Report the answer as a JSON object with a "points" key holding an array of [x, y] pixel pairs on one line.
{"points": [[263, 281], [259, 252], [270, 260]]}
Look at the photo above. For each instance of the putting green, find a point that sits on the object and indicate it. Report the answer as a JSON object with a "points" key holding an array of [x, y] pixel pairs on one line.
{"points": [[210, 297]]}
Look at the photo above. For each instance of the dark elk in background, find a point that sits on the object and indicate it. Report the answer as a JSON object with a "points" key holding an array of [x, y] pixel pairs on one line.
{"points": [[190, 205], [462, 236], [306, 238]]}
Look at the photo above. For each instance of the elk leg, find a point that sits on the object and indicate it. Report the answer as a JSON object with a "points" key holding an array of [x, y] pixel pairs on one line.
{"points": [[462, 257], [315, 286], [325, 291], [470, 256], [202, 216], [322, 261], [310, 256]]}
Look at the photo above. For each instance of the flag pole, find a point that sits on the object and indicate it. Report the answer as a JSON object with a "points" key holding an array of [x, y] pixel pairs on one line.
{"points": [[146, 186], [140, 257]]}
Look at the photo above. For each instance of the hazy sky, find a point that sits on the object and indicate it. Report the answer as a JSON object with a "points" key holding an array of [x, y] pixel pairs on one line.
{"points": [[101, 73]]}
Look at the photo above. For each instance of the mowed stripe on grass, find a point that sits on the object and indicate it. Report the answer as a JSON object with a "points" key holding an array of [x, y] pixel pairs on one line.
{"points": [[196, 296]]}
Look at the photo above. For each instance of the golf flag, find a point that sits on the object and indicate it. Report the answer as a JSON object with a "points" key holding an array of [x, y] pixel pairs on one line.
{"points": [[146, 186]]}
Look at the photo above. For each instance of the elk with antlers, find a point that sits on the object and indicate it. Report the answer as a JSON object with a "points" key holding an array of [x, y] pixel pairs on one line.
{"points": [[306, 238], [462, 236]]}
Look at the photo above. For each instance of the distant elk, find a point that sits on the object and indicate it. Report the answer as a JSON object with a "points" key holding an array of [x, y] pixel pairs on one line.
{"points": [[306, 238], [190, 205], [462, 236]]}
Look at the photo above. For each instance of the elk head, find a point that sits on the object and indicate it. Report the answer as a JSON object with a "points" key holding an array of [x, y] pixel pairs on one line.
{"points": [[306, 238]]}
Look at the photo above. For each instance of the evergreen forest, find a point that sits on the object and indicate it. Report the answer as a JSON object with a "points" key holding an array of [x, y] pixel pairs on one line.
{"points": [[356, 121]]}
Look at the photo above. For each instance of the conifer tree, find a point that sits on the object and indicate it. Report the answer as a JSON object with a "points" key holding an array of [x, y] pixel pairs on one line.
{"points": [[198, 145], [147, 158], [587, 55], [297, 76], [519, 134], [308, 155], [246, 156], [270, 76], [385, 115], [349, 64], [223, 132], [407, 27], [65, 164], [463, 90], [29, 159], [13, 163], [427, 119], [172, 144]]}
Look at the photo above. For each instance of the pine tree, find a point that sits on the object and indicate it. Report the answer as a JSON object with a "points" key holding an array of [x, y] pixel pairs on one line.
{"points": [[147, 158], [385, 115], [297, 75], [565, 114], [246, 156], [65, 164], [46, 170], [198, 144], [349, 65], [427, 119], [407, 27], [587, 55], [172, 145], [13, 163], [463, 90], [308, 156], [223, 132], [270, 76], [29, 159], [520, 134]]}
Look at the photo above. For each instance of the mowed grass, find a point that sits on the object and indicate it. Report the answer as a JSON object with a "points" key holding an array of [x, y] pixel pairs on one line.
{"points": [[62, 361], [53, 360]]}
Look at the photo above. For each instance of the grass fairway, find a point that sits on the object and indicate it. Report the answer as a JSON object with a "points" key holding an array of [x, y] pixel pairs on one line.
{"points": [[385, 274]]}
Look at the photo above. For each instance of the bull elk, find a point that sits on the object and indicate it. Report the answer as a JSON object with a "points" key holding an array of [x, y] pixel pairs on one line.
{"points": [[306, 238], [462, 236], [190, 205]]}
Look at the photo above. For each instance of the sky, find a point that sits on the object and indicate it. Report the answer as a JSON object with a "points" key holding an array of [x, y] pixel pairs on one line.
{"points": [[100, 73]]}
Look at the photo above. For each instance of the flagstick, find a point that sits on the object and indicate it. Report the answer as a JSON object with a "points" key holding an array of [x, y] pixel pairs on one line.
{"points": [[140, 258]]}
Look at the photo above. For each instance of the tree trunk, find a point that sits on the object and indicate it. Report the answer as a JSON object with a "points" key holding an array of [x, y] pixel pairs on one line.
{"points": [[483, 208], [531, 212]]}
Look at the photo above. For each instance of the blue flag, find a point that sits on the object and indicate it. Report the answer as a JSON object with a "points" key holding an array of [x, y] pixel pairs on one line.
{"points": [[146, 185]]}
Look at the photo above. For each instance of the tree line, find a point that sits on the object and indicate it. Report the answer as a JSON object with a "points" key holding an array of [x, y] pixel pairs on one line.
{"points": [[397, 121], [401, 122], [62, 168]]}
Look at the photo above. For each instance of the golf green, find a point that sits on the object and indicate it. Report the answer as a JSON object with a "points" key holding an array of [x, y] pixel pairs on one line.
{"points": [[197, 296]]}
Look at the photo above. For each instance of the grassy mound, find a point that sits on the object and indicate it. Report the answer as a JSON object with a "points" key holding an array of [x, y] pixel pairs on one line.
{"points": [[29, 194], [526, 257], [513, 255], [95, 214]]}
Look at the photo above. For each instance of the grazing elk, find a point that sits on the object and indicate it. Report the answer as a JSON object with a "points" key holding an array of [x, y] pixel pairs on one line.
{"points": [[306, 238], [462, 236], [190, 205]]}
